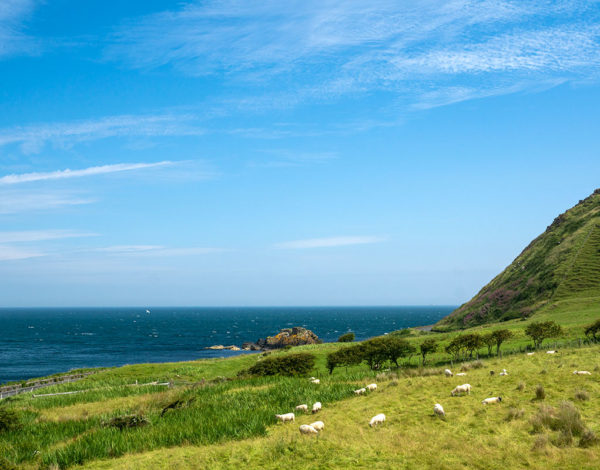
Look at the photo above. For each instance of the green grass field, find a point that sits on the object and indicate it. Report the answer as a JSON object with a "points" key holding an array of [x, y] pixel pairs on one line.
{"points": [[221, 421]]}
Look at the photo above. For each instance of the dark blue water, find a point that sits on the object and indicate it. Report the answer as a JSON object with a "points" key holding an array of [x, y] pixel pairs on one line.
{"points": [[39, 342]]}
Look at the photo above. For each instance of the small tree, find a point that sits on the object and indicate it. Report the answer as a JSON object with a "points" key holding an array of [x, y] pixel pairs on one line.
{"points": [[375, 352], [499, 337], [348, 356], [397, 348], [489, 341], [539, 331], [592, 330], [455, 347], [346, 338], [472, 342], [428, 346]]}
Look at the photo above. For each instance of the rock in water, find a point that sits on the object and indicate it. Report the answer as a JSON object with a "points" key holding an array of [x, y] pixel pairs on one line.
{"points": [[289, 337]]}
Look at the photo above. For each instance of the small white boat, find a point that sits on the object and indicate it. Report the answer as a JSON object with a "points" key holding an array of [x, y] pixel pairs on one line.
{"points": [[147, 311]]}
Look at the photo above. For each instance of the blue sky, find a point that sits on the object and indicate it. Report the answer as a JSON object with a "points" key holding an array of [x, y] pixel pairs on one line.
{"points": [[287, 153]]}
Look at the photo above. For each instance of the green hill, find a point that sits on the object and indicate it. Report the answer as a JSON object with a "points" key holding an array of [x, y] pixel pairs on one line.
{"points": [[562, 263]]}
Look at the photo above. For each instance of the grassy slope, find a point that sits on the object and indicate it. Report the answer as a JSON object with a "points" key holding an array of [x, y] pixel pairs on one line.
{"points": [[562, 263], [473, 436]]}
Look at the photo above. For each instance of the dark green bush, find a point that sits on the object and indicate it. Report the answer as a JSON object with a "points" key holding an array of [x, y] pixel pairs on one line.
{"points": [[346, 338], [290, 364], [129, 421], [9, 419]]}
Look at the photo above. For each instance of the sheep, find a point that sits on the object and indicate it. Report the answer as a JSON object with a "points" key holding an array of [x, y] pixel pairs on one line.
{"points": [[581, 372], [308, 429], [315, 381], [372, 387], [461, 374], [360, 391], [530, 353], [377, 419], [316, 407], [448, 373], [318, 425], [312, 378], [439, 410], [464, 388], [302, 408], [286, 417], [551, 352], [503, 372], [489, 401]]}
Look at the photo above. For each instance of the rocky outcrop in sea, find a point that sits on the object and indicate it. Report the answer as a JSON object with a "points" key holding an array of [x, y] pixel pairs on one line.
{"points": [[295, 336]]}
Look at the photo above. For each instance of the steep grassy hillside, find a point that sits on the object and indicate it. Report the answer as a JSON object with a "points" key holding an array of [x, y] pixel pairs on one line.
{"points": [[562, 263]]}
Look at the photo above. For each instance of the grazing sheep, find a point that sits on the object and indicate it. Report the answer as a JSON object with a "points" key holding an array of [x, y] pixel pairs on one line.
{"points": [[312, 378], [448, 373], [503, 372], [464, 388], [302, 408], [316, 407], [551, 352], [377, 419], [530, 353], [315, 381], [489, 401], [318, 425], [461, 374], [372, 387], [360, 391], [308, 429], [581, 372], [286, 417], [438, 410]]}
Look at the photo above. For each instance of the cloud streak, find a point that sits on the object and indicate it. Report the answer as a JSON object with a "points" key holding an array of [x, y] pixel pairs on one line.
{"points": [[12, 15], [330, 242], [40, 235], [15, 202], [91, 171], [330, 49]]}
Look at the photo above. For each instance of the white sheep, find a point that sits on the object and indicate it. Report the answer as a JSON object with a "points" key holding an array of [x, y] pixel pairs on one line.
{"points": [[530, 353], [302, 408], [581, 372], [286, 417], [318, 425], [503, 372], [438, 410], [377, 419], [372, 387], [489, 401], [316, 407], [308, 429], [551, 352], [448, 373], [464, 388], [461, 374], [360, 391], [315, 381]]}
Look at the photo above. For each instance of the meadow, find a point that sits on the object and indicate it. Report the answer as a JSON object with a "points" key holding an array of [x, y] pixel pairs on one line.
{"points": [[209, 417]]}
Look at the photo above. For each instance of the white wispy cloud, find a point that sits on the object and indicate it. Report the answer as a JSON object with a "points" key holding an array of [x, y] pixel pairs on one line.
{"points": [[40, 235], [32, 138], [330, 48], [12, 38], [15, 202], [158, 250], [329, 242], [10, 253], [91, 171]]}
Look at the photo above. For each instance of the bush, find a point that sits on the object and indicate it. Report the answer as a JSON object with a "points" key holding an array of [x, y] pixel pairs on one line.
{"points": [[129, 421], [299, 364], [540, 393], [6, 465], [346, 338], [588, 438], [582, 395], [9, 419], [348, 356], [514, 413]]}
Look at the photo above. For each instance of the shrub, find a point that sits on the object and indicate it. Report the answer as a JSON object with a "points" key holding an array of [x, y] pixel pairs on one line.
{"points": [[298, 364], [541, 442], [588, 438], [582, 395], [129, 421], [9, 419], [514, 413], [346, 338], [428, 346], [539, 331], [6, 465], [540, 393], [348, 356], [592, 330]]}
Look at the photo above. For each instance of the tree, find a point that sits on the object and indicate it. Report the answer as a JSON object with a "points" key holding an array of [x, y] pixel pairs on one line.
{"points": [[348, 356], [428, 346], [593, 330], [398, 347], [499, 337], [375, 352], [455, 347], [489, 341], [539, 331], [346, 338], [472, 342]]}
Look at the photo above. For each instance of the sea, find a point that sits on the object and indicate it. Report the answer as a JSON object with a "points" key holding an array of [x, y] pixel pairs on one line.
{"points": [[35, 342]]}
